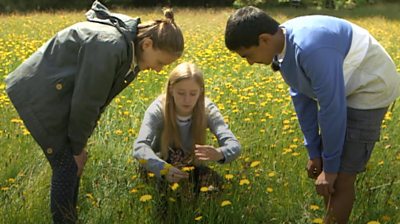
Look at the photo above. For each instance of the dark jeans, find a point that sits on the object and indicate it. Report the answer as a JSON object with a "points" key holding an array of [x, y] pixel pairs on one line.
{"points": [[64, 187]]}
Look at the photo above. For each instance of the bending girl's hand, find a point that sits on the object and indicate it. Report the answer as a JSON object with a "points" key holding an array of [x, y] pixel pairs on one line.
{"points": [[80, 161], [208, 152], [174, 175]]}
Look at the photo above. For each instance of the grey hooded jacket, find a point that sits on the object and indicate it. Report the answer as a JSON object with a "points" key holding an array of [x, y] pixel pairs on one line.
{"points": [[61, 90]]}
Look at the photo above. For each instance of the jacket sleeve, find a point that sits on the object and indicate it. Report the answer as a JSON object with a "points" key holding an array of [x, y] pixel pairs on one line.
{"points": [[324, 67], [149, 131], [227, 141], [98, 64], [307, 113]]}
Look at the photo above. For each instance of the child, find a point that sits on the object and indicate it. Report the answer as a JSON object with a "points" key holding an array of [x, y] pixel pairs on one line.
{"points": [[62, 89], [341, 82], [173, 131]]}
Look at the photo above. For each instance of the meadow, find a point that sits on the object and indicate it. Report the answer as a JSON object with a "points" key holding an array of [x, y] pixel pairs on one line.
{"points": [[267, 184]]}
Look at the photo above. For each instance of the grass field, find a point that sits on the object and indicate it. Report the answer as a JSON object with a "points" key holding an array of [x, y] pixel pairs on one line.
{"points": [[267, 184]]}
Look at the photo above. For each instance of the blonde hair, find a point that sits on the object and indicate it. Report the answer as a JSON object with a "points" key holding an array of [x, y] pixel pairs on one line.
{"points": [[164, 33], [170, 134]]}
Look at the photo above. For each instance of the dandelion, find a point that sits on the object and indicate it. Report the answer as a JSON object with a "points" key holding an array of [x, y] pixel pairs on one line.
{"points": [[244, 182], [174, 186], [385, 218], [255, 163], [198, 218], [295, 154], [188, 168], [204, 189], [5, 188], [269, 189], [145, 198], [150, 174], [226, 203], [16, 120], [272, 174], [373, 222], [118, 132], [133, 190], [318, 221], [90, 196], [314, 207], [142, 161], [228, 176], [381, 163]]}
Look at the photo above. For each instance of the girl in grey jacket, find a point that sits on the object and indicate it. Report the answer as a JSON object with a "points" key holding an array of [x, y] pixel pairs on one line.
{"points": [[173, 132], [61, 90]]}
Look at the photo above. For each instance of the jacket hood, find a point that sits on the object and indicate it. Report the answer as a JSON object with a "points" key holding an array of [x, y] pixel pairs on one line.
{"points": [[125, 24]]}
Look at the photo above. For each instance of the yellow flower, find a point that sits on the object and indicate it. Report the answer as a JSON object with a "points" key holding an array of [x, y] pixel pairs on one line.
{"points": [[174, 186], [271, 174], [373, 222], [165, 170], [5, 188], [150, 174], [142, 161], [16, 120], [386, 218], [269, 189], [314, 207], [255, 163], [244, 181], [133, 190], [198, 218], [90, 196], [318, 220], [145, 198], [228, 176], [204, 189], [225, 203], [295, 154], [118, 132], [381, 163], [187, 168]]}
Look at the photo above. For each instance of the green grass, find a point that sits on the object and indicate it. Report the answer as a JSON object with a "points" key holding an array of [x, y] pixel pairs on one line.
{"points": [[253, 100]]}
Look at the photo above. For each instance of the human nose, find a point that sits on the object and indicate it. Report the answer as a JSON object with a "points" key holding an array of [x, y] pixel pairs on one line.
{"points": [[186, 98], [158, 68], [250, 61]]}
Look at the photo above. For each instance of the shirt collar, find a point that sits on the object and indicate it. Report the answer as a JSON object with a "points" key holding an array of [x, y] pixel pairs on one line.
{"points": [[281, 55]]}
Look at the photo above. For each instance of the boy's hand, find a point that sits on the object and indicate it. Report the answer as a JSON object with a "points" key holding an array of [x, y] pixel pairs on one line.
{"points": [[314, 168], [208, 152], [174, 175], [324, 183]]}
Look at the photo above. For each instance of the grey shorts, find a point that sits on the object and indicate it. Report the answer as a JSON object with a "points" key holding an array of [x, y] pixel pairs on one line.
{"points": [[362, 132]]}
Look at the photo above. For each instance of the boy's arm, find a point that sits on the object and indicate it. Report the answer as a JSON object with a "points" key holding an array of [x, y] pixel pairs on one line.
{"points": [[307, 113], [324, 68]]}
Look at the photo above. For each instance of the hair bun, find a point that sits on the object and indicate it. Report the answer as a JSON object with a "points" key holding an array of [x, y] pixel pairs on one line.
{"points": [[169, 14]]}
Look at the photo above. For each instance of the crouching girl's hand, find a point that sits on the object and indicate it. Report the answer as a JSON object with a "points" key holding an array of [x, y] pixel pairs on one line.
{"points": [[174, 175]]}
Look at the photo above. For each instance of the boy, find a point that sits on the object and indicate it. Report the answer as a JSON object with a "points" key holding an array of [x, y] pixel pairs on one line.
{"points": [[341, 82]]}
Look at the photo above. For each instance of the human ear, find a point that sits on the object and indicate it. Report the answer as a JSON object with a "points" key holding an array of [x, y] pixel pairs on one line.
{"points": [[147, 43], [264, 38]]}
